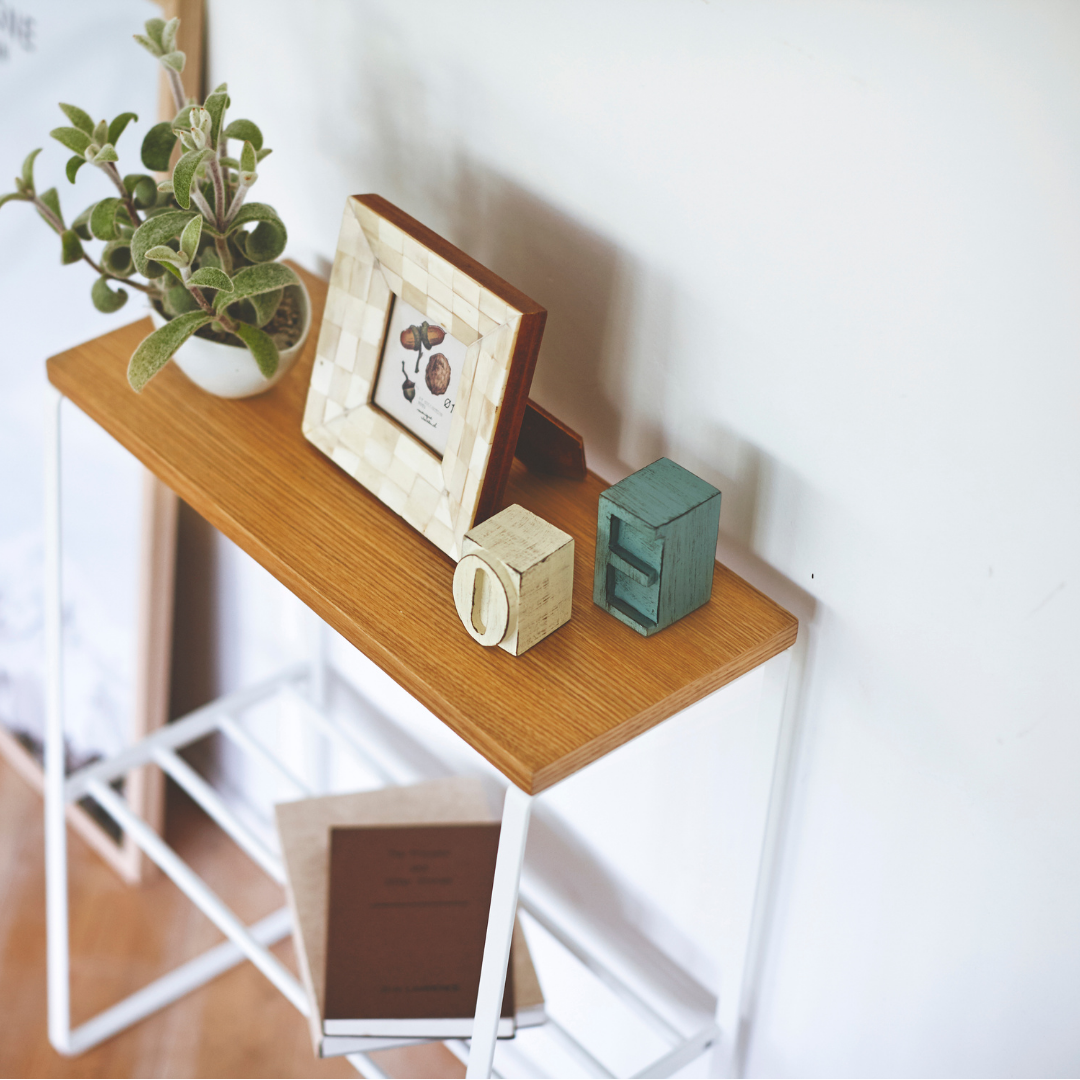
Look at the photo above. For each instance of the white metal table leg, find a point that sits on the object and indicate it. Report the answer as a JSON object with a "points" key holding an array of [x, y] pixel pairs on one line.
{"points": [[735, 1009], [504, 894], [56, 891], [314, 752], [318, 649]]}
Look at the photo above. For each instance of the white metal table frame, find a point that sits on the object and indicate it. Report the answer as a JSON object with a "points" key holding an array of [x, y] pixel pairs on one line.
{"points": [[306, 683]]}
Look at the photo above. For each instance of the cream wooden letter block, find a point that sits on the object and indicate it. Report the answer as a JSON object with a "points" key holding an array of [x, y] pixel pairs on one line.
{"points": [[514, 584]]}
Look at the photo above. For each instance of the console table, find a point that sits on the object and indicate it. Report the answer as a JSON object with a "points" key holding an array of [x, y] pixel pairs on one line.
{"points": [[579, 695]]}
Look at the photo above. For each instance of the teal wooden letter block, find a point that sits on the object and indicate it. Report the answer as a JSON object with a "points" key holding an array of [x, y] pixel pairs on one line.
{"points": [[655, 546]]}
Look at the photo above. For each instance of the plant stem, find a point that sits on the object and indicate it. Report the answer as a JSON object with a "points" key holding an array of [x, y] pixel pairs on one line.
{"points": [[48, 215], [205, 304], [176, 86], [214, 168], [238, 201], [224, 254], [58, 225], [203, 206], [123, 281], [113, 174], [222, 151]]}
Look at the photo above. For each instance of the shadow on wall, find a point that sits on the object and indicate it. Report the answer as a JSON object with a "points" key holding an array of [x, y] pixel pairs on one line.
{"points": [[608, 363], [619, 334]]}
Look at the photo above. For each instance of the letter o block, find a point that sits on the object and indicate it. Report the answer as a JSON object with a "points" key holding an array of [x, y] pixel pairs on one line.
{"points": [[485, 606], [515, 581]]}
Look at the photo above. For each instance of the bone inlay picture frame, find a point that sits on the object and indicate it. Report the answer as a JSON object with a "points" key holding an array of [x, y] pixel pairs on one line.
{"points": [[385, 259]]}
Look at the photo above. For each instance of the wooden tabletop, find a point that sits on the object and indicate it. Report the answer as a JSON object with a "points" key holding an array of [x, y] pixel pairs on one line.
{"points": [[588, 688]]}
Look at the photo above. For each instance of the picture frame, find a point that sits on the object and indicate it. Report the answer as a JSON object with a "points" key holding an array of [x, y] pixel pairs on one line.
{"points": [[386, 259]]}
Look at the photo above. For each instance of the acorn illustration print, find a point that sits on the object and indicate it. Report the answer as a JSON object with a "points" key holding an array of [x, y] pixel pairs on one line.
{"points": [[418, 338], [437, 375]]}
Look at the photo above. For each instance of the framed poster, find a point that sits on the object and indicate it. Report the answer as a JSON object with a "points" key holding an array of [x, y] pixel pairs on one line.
{"points": [[422, 372]]}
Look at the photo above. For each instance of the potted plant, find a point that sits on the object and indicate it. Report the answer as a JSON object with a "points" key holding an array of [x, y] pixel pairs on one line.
{"points": [[205, 254]]}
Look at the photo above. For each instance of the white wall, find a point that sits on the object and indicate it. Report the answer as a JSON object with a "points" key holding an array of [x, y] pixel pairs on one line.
{"points": [[827, 255]]}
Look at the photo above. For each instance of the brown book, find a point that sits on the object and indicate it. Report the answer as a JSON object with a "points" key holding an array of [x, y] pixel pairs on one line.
{"points": [[304, 827], [408, 914]]}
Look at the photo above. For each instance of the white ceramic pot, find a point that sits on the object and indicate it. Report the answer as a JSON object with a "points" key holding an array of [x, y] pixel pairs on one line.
{"points": [[230, 371]]}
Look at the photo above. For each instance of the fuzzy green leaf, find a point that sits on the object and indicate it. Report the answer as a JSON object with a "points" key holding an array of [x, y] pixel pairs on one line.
{"points": [[252, 280], [79, 118], [168, 34], [189, 238], [262, 347], [70, 248], [184, 174], [104, 298], [28, 168], [81, 224], [264, 152], [270, 236], [152, 47], [216, 104], [100, 133], [267, 242], [255, 211], [156, 230], [157, 147], [52, 201], [174, 60], [157, 350], [245, 129], [13, 195], [106, 153], [178, 301], [116, 258], [247, 157], [75, 140], [265, 304], [103, 219], [116, 128], [154, 29], [162, 253], [209, 278], [74, 164], [142, 188]]}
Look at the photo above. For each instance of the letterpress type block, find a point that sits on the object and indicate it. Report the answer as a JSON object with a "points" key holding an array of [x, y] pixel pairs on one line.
{"points": [[655, 546]]}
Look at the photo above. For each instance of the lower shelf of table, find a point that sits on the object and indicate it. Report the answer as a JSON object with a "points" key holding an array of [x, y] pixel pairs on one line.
{"points": [[557, 1048]]}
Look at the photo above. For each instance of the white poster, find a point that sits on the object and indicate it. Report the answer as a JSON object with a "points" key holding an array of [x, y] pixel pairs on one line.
{"points": [[80, 54]]}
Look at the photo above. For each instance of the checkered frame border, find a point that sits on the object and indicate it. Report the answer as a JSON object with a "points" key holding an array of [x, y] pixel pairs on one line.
{"points": [[375, 260]]}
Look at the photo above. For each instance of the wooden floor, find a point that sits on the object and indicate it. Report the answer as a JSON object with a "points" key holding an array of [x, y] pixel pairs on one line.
{"points": [[122, 937]]}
